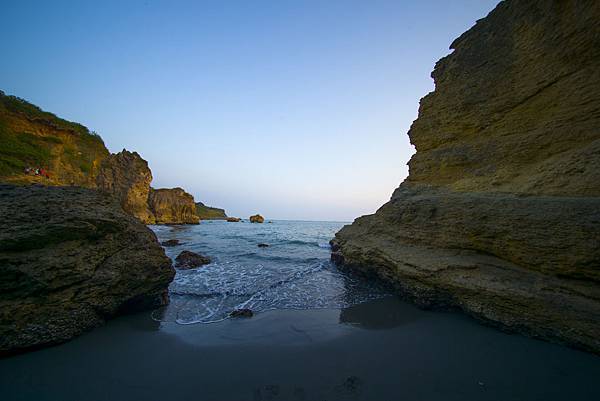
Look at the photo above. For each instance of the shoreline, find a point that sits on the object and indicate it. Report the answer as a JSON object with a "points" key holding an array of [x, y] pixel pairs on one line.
{"points": [[378, 350]]}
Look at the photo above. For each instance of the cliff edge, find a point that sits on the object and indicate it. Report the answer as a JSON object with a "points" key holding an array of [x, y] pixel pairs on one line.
{"points": [[500, 214], [37, 147], [210, 213]]}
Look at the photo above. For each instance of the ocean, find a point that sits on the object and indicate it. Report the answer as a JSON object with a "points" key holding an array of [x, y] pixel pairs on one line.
{"points": [[293, 272]]}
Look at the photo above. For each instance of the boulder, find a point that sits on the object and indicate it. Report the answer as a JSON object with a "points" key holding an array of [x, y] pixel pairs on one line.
{"points": [[190, 260], [500, 214], [127, 176], [71, 258], [244, 312], [263, 245], [233, 219], [172, 206], [257, 218], [170, 242]]}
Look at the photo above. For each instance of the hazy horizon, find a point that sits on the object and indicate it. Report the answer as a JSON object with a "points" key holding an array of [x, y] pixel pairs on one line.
{"points": [[295, 110]]}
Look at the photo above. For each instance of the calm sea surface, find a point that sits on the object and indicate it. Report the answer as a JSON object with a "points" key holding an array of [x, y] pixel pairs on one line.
{"points": [[293, 272]]}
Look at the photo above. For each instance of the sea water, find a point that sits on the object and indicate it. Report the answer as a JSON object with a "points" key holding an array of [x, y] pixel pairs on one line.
{"points": [[293, 272]]}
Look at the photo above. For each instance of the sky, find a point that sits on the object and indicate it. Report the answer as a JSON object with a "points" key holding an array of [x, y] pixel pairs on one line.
{"points": [[292, 109]]}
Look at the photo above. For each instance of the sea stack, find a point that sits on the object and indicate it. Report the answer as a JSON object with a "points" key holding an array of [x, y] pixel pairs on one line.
{"points": [[71, 258], [500, 215], [257, 218]]}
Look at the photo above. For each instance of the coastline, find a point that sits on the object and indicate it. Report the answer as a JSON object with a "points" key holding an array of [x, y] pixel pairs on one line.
{"points": [[379, 350]]}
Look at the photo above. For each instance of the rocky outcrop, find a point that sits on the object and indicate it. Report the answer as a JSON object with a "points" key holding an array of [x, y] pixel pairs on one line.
{"points": [[190, 260], [127, 176], [172, 206], [210, 213], [170, 243], [257, 218], [233, 219], [70, 258], [500, 215], [244, 312]]}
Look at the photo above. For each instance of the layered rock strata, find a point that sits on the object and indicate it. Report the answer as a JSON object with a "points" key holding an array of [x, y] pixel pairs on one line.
{"points": [[500, 214]]}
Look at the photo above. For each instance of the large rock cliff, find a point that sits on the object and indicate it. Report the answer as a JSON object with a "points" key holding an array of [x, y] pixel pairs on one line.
{"points": [[37, 147], [127, 176], [172, 206], [500, 215], [70, 258]]}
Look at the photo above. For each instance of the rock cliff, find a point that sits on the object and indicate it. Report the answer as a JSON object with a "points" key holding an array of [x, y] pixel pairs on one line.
{"points": [[172, 206], [128, 177], [500, 214], [209, 213], [70, 258], [37, 147]]}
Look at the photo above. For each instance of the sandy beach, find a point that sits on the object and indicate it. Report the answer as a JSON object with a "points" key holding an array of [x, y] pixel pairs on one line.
{"points": [[381, 350]]}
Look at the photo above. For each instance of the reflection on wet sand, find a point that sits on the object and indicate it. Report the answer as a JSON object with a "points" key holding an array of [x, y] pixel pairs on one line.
{"points": [[380, 314]]}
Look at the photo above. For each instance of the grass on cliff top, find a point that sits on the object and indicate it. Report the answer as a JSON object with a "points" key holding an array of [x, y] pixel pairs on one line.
{"points": [[19, 150], [21, 106], [207, 212]]}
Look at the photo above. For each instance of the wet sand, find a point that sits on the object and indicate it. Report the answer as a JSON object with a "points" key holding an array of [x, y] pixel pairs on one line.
{"points": [[381, 350]]}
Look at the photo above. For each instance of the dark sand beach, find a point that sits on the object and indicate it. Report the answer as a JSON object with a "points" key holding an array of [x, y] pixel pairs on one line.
{"points": [[380, 350]]}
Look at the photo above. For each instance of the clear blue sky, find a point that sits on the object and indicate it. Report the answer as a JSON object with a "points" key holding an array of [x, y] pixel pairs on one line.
{"points": [[294, 109]]}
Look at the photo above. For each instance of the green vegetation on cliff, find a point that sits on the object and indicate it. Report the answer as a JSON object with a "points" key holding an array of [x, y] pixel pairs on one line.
{"points": [[31, 137], [209, 213]]}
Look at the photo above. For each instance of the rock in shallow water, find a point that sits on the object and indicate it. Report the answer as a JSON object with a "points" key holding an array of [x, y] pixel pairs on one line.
{"points": [[70, 258], [257, 218], [244, 312], [170, 242], [500, 215], [190, 260]]}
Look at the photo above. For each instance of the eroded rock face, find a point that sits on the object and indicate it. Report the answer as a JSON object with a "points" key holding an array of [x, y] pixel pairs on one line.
{"points": [[257, 218], [172, 206], [127, 176], [500, 215], [70, 258]]}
